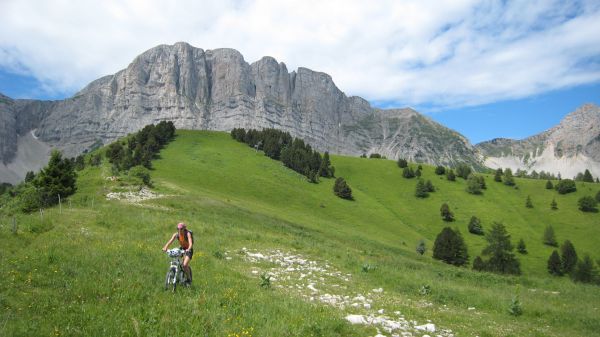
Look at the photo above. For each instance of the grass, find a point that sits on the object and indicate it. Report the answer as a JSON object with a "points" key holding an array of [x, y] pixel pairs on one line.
{"points": [[96, 268]]}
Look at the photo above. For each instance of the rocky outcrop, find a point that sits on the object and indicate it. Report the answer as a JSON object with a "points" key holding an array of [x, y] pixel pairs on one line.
{"points": [[8, 129], [219, 90], [569, 148]]}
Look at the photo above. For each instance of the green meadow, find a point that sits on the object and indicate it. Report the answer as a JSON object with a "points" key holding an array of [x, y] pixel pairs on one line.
{"points": [[94, 267]]}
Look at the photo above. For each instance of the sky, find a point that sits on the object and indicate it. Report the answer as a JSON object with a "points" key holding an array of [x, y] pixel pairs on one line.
{"points": [[486, 69]]}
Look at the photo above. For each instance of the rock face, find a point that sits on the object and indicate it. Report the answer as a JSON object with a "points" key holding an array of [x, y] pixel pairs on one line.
{"points": [[569, 148], [218, 90]]}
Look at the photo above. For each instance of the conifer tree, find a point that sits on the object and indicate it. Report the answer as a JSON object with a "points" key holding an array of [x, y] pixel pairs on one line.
{"points": [[498, 175], [553, 204], [473, 185], [450, 247], [439, 170], [549, 237], [587, 204], [463, 171], [508, 177], [528, 202], [57, 178], [554, 264], [429, 186], [402, 163], [421, 189], [450, 175], [499, 249], [446, 214], [584, 270], [478, 264], [549, 185], [341, 189], [421, 248], [587, 176], [565, 186], [568, 256], [475, 226], [408, 173]]}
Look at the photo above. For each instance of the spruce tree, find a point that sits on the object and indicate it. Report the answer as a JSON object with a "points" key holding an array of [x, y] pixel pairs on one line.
{"points": [[446, 214], [508, 177], [528, 202], [402, 163], [429, 186], [554, 264], [475, 226], [57, 178], [568, 256], [584, 270], [478, 264], [549, 237], [553, 204], [473, 185], [499, 249], [549, 185], [587, 176], [29, 176], [450, 175], [421, 189], [418, 172], [498, 175], [341, 189], [325, 169], [521, 248], [450, 247], [408, 173]]}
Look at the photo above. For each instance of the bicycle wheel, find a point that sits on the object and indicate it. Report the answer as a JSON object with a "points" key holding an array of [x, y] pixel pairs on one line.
{"points": [[177, 279], [168, 279], [190, 276]]}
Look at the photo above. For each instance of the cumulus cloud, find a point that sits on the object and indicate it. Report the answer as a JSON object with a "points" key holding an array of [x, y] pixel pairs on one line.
{"points": [[431, 52]]}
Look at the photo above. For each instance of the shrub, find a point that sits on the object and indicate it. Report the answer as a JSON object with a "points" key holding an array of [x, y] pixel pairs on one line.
{"points": [[429, 186], [528, 202], [598, 196], [515, 307], [375, 156], [408, 173], [587, 204], [341, 189], [568, 257], [553, 204], [498, 175], [521, 248], [565, 186], [584, 270], [475, 226], [463, 171], [402, 163], [508, 178], [475, 184], [439, 170], [450, 175], [549, 185], [478, 264], [421, 189], [421, 248], [450, 247], [141, 173]]}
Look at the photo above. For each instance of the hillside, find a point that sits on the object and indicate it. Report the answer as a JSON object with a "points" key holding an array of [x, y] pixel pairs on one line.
{"points": [[95, 267]]}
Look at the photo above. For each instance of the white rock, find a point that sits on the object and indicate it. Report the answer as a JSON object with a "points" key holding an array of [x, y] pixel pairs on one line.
{"points": [[356, 319], [429, 327]]}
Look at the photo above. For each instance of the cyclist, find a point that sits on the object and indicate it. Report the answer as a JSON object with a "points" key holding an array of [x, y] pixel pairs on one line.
{"points": [[186, 241]]}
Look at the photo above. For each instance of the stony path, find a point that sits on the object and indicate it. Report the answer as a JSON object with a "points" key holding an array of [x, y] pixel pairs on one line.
{"points": [[320, 282]]}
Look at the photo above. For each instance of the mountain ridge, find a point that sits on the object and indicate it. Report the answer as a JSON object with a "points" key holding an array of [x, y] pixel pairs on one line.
{"points": [[218, 90]]}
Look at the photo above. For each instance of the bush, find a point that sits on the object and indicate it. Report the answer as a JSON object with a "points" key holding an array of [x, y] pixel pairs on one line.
{"points": [[421, 189], [375, 156], [478, 264], [598, 196], [440, 170], [341, 189], [568, 257], [508, 178], [553, 204], [450, 175], [141, 173], [587, 204], [549, 185], [450, 247], [584, 271], [498, 175], [408, 173], [402, 163], [421, 247], [515, 307], [463, 171], [475, 226], [565, 186], [528, 202], [521, 248], [475, 184]]}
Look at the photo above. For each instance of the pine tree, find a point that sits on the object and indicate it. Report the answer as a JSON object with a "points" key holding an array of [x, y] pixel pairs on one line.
{"points": [[421, 189], [587, 176], [29, 176], [450, 175], [447, 215], [553, 204], [478, 264], [408, 173], [57, 178], [508, 177], [549, 237], [463, 171], [402, 163], [498, 175], [429, 186], [568, 256], [325, 169], [584, 270], [439, 170], [521, 248], [341, 189], [473, 185], [450, 247], [475, 226], [418, 172], [549, 185], [528, 202], [554, 264], [499, 249]]}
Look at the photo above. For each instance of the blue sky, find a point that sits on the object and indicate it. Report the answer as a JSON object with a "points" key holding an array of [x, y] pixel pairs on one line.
{"points": [[486, 69]]}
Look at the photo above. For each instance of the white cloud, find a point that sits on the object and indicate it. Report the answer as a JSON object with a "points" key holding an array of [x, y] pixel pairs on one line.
{"points": [[440, 53]]}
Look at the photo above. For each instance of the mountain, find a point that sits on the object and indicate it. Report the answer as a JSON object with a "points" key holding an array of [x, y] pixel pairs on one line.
{"points": [[569, 148], [218, 90]]}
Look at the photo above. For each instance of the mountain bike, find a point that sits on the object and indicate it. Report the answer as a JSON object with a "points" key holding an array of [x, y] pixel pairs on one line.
{"points": [[176, 274]]}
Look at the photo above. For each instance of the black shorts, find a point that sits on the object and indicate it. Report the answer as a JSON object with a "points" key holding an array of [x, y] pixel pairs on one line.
{"points": [[189, 253]]}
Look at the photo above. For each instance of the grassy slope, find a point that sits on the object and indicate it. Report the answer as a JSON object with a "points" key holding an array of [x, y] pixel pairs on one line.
{"points": [[98, 271]]}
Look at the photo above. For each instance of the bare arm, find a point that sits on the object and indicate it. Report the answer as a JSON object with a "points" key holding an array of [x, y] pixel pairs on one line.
{"points": [[169, 243], [190, 240]]}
